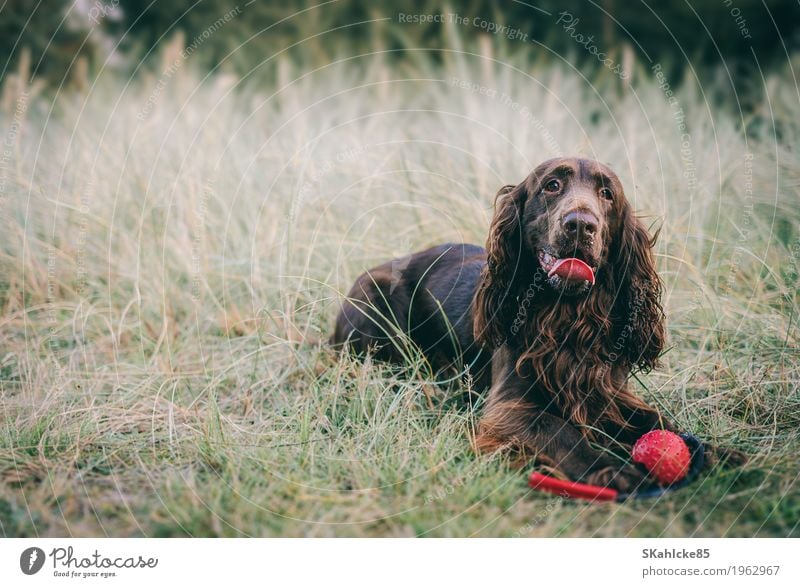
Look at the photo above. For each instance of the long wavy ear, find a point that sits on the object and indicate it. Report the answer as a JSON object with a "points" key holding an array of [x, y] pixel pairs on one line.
{"points": [[495, 294], [640, 293]]}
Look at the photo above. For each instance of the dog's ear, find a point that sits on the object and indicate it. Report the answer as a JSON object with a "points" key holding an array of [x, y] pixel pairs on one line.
{"points": [[639, 292], [496, 293]]}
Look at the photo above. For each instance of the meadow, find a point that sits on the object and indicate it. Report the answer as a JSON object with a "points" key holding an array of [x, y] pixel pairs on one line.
{"points": [[171, 263]]}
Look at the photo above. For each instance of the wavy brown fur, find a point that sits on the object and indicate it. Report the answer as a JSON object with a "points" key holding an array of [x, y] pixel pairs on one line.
{"points": [[579, 352], [561, 352]]}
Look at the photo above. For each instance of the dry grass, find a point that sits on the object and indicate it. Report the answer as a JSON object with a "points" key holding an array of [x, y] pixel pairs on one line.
{"points": [[165, 283]]}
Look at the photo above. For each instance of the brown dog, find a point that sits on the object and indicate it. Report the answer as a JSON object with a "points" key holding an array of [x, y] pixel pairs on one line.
{"points": [[553, 317]]}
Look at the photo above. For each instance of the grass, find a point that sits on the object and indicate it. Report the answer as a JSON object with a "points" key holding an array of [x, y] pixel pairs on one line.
{"points": [[166, 283]]}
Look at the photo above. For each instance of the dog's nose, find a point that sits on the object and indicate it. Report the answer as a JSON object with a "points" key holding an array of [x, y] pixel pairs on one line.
{"points": [[577, 223]]}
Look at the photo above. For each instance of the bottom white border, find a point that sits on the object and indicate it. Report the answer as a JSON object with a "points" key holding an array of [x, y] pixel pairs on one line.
{"points": [[325, 562]]}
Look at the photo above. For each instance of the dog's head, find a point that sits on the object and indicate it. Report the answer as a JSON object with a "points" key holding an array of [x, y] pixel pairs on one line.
{"points": [[570, 211], [569, 229]]}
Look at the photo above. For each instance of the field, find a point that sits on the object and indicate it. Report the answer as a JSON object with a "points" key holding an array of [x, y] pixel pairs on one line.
{"points": [[171, 263]]}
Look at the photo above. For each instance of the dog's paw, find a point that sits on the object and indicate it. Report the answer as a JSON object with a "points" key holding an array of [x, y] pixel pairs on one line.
{"points": [[724, 457], [624, 479]]}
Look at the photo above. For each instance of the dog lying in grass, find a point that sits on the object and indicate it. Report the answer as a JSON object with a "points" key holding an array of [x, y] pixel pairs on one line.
{"points": [[552, 318]]}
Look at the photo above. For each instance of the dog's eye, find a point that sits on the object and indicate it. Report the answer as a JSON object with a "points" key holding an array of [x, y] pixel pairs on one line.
{"points": [[552, 186], [606, 194]]}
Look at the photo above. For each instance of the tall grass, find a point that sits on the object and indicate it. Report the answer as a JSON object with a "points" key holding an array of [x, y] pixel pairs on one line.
{"points": [[170, 265]]}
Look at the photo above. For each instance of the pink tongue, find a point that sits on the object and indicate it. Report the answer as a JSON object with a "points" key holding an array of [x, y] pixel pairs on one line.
{"points": [[573, 270]]}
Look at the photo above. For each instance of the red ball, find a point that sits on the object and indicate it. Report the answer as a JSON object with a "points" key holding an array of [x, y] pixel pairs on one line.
{"points": [[664, 454]]}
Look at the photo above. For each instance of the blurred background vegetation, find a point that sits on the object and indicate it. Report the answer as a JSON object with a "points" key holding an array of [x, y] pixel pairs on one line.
{"points": [[734, 39], [173, 244]]}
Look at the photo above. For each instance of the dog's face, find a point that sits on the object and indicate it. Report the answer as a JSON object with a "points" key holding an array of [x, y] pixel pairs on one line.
{"points": [[569, 220], [570, 215]]}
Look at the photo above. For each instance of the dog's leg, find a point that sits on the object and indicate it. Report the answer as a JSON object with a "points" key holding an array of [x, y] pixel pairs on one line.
{"points": [[639, 419], [374, 317], [536, 435], [642, 419]]}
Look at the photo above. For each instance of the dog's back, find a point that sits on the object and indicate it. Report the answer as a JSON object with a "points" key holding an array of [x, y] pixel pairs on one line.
{"points": [[422, 300]]}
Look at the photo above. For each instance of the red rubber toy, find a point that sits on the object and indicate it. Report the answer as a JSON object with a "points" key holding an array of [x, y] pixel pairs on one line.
{"points": [[673, 461], [664, 454], [572, 489]]}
